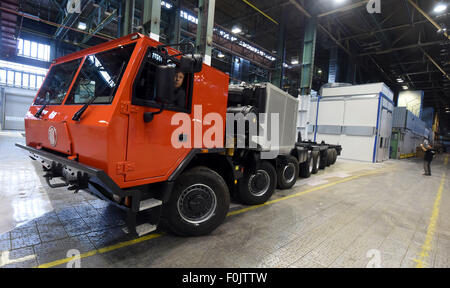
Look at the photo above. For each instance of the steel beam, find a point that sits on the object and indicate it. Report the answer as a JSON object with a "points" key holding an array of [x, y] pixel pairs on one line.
{"points": [[259, 11], [205, 27], [343, 9], [435, 24], [419, 45], [127, 17], [435, 63], [277, 75], [152, 18], [174, 22], [100, 26], [309, 48]]}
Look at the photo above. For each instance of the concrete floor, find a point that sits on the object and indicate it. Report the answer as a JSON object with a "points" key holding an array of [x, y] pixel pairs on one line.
{"points": [[350, 215]]}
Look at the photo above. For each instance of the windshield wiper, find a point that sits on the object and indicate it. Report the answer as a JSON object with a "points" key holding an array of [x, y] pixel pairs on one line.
{"points": [[39, 112], [79, 113]]}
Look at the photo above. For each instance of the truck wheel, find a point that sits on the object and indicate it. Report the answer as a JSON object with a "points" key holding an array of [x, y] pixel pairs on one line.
{"points": [[334, 156], [329, 157], [323, 160], [257, 188], [307, 167], [316, 162], [198, 204], [287, 174]]}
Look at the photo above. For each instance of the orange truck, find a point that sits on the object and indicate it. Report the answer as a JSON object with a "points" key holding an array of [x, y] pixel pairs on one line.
{"points": [[102, 122]]}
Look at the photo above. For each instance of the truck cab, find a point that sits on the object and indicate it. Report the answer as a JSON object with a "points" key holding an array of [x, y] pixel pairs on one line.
{"points": [[104, 121]]}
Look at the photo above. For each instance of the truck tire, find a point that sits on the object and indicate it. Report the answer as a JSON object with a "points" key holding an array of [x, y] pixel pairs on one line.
{"points": [[316, 162], [334, 156], [287, 174], [329, 157], [198, 204], [257, 188], [307, 167], [323, 160]]}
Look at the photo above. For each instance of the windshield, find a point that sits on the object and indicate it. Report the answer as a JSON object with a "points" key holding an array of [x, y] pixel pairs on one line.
{"points": [[100, 76], [57, 83]]}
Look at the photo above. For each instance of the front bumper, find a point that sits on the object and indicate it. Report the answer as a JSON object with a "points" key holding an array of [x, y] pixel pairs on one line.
{"points": [[78, 176]]}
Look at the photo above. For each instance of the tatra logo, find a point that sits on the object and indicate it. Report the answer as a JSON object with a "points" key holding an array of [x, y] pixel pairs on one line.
{"points": [[52, 136]]}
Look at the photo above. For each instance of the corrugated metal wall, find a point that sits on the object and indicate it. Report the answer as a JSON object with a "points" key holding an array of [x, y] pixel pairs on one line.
{"points": [[15, 105], [399, 119]]}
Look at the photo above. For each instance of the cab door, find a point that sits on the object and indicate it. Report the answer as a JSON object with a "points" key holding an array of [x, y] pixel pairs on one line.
{"points": [[151, 155]]}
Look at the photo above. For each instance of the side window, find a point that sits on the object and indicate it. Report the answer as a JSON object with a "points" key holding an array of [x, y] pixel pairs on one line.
{"points": [[144, 91]]}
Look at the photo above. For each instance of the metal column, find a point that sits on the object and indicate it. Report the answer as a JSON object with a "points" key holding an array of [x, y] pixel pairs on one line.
{"points": [[277, 75], [2, 107], [152, 18], [205, 28], [333, 69], [309, 48], [174, 35], [127, 17]]}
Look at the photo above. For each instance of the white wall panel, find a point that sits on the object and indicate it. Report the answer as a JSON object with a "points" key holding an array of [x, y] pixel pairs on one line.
{"points": [[331, 112], [361, 112]]}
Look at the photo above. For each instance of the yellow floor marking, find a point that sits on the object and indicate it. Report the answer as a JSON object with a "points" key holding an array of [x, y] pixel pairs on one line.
{"points": [[301, 193], [427, 245], [153, 236], [101, 251]]}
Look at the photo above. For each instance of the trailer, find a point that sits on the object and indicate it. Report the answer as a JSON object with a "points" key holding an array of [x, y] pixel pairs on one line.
{"points": [[112, 121]]}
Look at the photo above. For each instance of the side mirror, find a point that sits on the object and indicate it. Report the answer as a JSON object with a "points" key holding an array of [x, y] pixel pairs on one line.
{"points": [[164, 80], [191, 63]]}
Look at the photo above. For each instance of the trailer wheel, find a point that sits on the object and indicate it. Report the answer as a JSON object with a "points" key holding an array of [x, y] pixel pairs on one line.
{"points": [[329, 157], [334, 156], [257, 188], [316, 162], [287, 174], [307, 167], [199, 203], [323, 159]]}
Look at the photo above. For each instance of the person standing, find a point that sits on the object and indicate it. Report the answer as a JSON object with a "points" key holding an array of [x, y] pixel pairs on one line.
{"points": [[429, 153]]}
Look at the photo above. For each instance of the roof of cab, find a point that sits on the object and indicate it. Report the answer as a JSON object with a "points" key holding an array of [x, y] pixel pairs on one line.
{"points": [[100, 47]]}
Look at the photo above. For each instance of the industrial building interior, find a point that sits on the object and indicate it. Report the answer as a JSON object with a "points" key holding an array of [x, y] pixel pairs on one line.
{"points": [[372, 83]]}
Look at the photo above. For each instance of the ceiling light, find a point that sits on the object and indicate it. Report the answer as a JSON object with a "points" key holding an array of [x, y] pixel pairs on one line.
{"points": [[82, 26], [400, 80], [405, 87], [319, 71], [294, 60], [236, 30], [220, 55], [440, 7]]}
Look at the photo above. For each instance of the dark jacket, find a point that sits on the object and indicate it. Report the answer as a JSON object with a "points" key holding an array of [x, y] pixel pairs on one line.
{"points": [[180, 97], [429, 155]]}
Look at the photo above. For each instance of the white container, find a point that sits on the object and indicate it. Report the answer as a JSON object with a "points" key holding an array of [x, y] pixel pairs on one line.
{"points": [[359, 118]]}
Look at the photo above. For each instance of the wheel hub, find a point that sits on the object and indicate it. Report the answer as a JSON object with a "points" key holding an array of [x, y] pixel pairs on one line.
{"points": [[259, 183], [289, 172], [197, 203]]}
